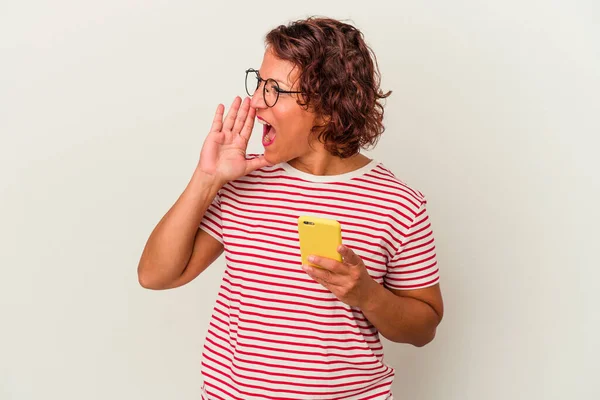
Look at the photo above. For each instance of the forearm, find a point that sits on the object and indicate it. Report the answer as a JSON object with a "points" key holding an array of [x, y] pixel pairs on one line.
{"points": [[170, 245], [400, 319]]}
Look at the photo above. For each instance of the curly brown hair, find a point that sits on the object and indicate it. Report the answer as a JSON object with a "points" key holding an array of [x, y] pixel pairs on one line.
{"points": [[339, 80]]}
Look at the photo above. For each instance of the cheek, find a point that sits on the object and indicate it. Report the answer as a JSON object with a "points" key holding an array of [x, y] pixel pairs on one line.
{"points": [[294, 123]]}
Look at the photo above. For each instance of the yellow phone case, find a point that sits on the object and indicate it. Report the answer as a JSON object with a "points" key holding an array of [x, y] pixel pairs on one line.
{"points": [[319, 236]]}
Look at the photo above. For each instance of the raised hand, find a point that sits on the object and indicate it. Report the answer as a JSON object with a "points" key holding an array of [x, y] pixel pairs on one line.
{"points": [[223, 154]]}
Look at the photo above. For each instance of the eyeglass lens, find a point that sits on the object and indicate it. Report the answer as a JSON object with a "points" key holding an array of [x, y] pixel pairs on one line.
{"points": [[270, 89]]}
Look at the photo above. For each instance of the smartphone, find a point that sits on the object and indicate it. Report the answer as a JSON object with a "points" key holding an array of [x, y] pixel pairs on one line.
{"points": [[319, 236]]}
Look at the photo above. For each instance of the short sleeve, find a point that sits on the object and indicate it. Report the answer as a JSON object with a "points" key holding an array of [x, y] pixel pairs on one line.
{"points": [[211, 222], [414, 266]]}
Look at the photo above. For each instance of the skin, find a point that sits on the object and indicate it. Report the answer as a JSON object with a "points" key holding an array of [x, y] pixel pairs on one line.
{"points": [[293, 126], [404, 316]]}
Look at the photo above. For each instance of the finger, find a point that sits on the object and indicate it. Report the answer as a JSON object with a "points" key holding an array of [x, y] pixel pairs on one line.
{"points": [[329, 264], [322, 276], [256, 163], [241, 116], [326, 285], [249, 124], [232, 114], [349, 257], [217, 124]]}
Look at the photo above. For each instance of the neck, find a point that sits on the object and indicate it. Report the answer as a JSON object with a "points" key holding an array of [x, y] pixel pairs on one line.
{"points": [[327, 164]]}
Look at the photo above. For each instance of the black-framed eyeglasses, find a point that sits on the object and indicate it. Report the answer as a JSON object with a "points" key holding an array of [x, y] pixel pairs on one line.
{"points": [[271, 89]]}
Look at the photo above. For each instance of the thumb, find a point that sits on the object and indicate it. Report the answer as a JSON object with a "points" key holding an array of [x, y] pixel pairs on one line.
{"points": [[256, 163]]}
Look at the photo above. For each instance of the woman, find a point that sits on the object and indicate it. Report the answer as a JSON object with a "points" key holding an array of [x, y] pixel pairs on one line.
{"points": [[280, 329]]}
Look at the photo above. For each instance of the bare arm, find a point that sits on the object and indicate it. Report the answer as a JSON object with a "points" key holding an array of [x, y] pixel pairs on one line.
{"points": [[177, 251], [405, 316]]}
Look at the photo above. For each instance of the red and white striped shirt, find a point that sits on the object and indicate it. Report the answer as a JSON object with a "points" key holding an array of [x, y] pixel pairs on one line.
{"points": [[275, 333]]}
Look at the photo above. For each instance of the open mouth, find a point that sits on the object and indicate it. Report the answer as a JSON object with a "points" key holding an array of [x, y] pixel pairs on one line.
{"points": [[268, 132]]}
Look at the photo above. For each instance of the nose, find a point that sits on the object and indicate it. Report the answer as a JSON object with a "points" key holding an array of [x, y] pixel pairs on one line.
{"points": [[257, 100]]}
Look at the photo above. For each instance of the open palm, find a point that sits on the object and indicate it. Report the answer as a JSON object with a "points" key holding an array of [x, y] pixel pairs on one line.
{"points": [[223, 154]]}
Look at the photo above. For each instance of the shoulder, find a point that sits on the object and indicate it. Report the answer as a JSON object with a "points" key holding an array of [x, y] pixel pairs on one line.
{"points": [[403, 201], [382, 175]]}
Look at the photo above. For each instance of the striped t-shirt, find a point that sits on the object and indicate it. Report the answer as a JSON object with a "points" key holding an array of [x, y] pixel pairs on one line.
{"points": [[275, 333]]}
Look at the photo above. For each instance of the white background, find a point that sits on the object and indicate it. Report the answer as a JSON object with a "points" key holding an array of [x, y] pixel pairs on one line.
{"points": [[104, 106]]}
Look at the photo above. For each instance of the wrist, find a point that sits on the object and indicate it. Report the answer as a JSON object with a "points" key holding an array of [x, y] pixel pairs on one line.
{"points": [[206, 180], [374, 295]]}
